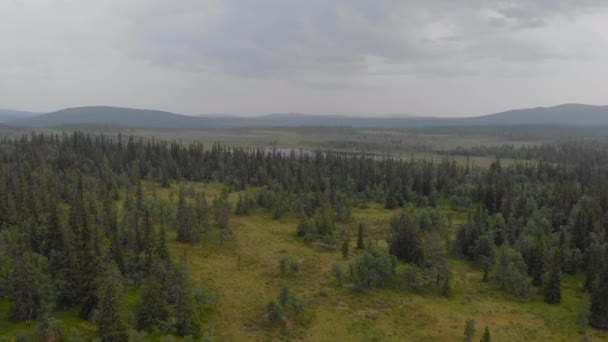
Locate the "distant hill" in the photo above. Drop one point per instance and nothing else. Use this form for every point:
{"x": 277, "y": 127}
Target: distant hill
{"x": 563, "y": 115}
{"x": 7, "y": 115}
{"x": 115, "y": 116}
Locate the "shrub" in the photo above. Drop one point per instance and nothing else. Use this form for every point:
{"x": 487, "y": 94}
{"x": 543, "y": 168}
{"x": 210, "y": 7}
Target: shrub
{"x": 274, "y": 311}
{"x": 375, "y": 268}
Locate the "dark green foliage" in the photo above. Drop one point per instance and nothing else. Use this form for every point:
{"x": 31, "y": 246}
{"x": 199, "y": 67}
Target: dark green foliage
{"x": 152, "y": 307}
{"x": 553, "y": 284}
{"x": 511, "y": 273}
{"x": 190, "y": 221}
{"x": 446, "y": 288}
{"x": 222, "y": 210}
{"x": 28, "y": 287}
{"x": 242, "y": 206}
{"x": 405, "y": 240}
{"x": 186, "y": 311}
{"x": 472, "y": 239}
{"x": 375, "y": 268}
{"x": 599, "y": 301}
{"x": 412, "y": 277}
{"x": 360, "y": 236}
{"x": 111, "y": 325}
{"x": 345, "y": 249}
{"x": 274, "y": 311}
{"x": 48, "y": 329}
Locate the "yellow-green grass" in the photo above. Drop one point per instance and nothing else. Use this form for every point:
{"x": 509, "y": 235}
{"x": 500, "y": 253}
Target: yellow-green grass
{"x": 245, "y": 275}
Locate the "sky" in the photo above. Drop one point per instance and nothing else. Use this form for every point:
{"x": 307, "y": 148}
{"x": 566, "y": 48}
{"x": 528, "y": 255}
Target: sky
{"x": 348, "y": 57}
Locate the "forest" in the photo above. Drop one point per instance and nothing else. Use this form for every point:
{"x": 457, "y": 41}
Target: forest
{"x": 120, "y": 238}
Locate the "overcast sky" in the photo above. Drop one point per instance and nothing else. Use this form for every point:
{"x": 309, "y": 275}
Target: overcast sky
{"x": 356, "y": 57}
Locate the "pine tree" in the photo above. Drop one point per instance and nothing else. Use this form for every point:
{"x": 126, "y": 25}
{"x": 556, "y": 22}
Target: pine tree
{"x": 405, "y": 240}
{"x": 345, "y": 248}
{"x": 111, "y": 326}
{"x": 553, "y": 286}
{"x": 360, "y": 235}
{"x": 152, "y": 305}
{"x": 599, "y": 302}
{"x": 27, "y": 288}
{"x": 187, "y": 318}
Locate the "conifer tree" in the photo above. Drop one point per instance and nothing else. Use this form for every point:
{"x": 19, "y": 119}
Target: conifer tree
{"x": 27, "y": 288}
{"x": 187, "y": 318}
{"x": 360, "y": 235}
{"x": 552, "y": 285}
{"x": 111, "y": 326}
{"x": 152, "y": 307}
{"x": 599, "y": 301}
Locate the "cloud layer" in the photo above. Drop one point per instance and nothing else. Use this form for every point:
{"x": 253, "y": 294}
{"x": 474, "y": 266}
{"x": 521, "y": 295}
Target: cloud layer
{"x": 355, "y": 57}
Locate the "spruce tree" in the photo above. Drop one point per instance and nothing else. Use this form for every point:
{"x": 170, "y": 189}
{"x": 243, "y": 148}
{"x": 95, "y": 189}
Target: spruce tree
{"x": 27, "y": 288}
{"x": 360, "y": 235}
{"x": 111, "y": 326}
{"x": 345, "y": 248}
{"x": 599, "y": 302}
{"x": 187, "y": 316}
{"x": 553, "y": 285}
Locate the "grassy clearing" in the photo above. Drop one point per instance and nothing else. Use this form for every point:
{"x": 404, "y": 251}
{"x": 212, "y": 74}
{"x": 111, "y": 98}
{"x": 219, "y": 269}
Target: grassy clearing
{"x": 244, "y": 273}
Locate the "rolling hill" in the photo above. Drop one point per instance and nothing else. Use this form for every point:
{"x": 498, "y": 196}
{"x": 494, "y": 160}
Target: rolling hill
{"x": 7, "y": 115}
{"x": 565, "y": 115}
{"x": 115, "y": 116}
{"x": 562, "y": 115}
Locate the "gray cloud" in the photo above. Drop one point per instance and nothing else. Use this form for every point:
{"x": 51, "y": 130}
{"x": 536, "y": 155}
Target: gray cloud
{"x": 293, "y": 55}
{"x": 275, "y": 38}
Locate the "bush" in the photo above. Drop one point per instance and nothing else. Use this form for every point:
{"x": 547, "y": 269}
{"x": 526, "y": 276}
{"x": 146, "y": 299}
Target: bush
{"x": 287, "y": 263}
{"x": 298, "y": 304}
{"x": 284, "y": 295}
{"x": 375, "y": 268}
{"x": 283, "y": 261}
{"x": 274, "y": 311}
{"x": 511, "y": 273}
{"x": 412, "y": 277}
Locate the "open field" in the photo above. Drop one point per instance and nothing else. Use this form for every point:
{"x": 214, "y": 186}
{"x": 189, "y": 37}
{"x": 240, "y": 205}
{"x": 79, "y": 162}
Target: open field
{"x": 243, "y": 274}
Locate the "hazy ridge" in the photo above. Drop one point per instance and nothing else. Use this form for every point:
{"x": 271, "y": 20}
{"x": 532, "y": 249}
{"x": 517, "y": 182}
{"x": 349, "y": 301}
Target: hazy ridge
{"x": 562, "y": 115}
